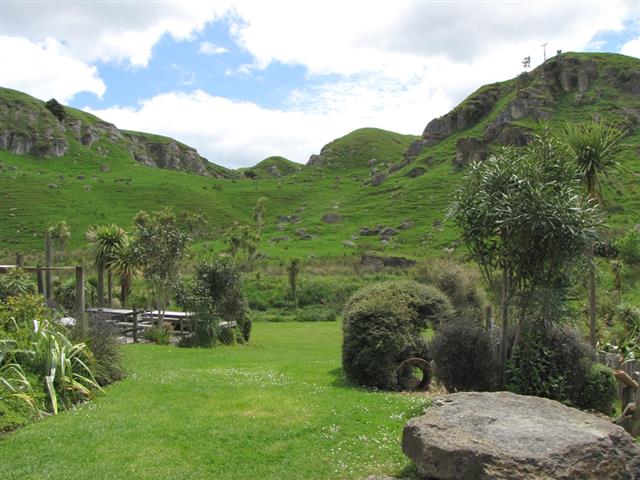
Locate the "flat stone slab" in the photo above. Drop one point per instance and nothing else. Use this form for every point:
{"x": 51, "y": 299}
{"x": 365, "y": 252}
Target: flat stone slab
{"x": 501, "y": 435}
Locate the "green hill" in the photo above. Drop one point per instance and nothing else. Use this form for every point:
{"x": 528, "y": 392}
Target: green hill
{"x": 271, "y": 167}
{"x": 86, "y": 171}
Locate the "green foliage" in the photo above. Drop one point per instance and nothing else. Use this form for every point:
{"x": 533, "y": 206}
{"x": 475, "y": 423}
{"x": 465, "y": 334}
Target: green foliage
{"x": 214, "y": 296}
{"x": 521, "y": 211}
{"x": 15, "y": 282}
{"x": 17, "y": 315}
{"x": 595, "y": 147}
{"x": 552, "y": 362}
{"x": 159, "y": 247}
{"x": 102, "y": 339}
{"x": 459, "y": 282}
{"x": 383, "y": 325}
{"x": 159, "y": 334}
{"x": 55, "y": 108}
{"x": 600, "y": 390}
{"x": 60, "y": 234}
{"x": 629, "y": 247}
{"x": 65, "y": 294}
{"x": 65, "y": 369}
{"x": 293, "y": 271}
{"x": 464, "y": 356}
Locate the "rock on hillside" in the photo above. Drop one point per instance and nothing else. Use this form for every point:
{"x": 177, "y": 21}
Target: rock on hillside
{"x": 504, "y": 111}
{"x": 501, "y": 435}
{"x": 28, "y": 128}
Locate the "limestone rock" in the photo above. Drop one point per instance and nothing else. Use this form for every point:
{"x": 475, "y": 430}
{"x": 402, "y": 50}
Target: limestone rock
{"x": 387, "y": 232}
{"x": 416, "y": 172}
{"x": 303, "y": 234}
{"x": 378, "y": 179}
{"x": 331, "y": 218}
{"x": 370, "y": 231}
{"x": 469, "y": 150}
{"x": 482, "y": 435}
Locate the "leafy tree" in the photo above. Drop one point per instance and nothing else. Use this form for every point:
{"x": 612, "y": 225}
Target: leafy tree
{"x": 160, "y": 245}
{"x": 233, "y": 239}
{"x": 104, "y": 240}
{"x": 60, "y": 234}
{"x": 520, "y": 213}
{"x": 595, "y": 147}
{"x": 216, "y": 299}
{"x": 125, "y": 262}
{"x": 258, "y": 214}
{"x": 55, "y": 108}
{"x": 293, "y": 271}
{"x": 195, "y": 223}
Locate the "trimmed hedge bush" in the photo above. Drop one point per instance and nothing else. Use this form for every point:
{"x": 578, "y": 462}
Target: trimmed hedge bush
{"x": 459, "y": 282}
{"x": 464, "y": 357}
{"x": 383, "y": 325}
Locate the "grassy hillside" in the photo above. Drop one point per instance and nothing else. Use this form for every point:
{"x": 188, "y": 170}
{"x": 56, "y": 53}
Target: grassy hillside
{"x": 364, "y": 178}
{"x": 270, "y": 167}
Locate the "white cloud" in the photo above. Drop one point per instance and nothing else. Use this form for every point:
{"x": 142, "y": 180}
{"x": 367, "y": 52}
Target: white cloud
{"x": 227, "y": 132}
{"x": 209, "y": 48}
{"x": 45, "y": 69}
{"x": 632, "y": 48}
{"x": 109, "y": 31}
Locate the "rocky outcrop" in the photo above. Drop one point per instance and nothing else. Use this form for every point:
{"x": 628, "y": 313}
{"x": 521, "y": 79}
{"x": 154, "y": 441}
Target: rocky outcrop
{"x": 27, "y": 127}
{"x": 30, "y": 129}
{"x": 469, "y": 150}
{"x": 481, "y": 435}
{"x": 465, "y": 115}
{"x": 331, "y": 218}
{"x": 171, "y": 155}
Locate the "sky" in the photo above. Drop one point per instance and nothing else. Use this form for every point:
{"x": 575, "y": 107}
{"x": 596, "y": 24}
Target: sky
{"x": 244, "y": 80}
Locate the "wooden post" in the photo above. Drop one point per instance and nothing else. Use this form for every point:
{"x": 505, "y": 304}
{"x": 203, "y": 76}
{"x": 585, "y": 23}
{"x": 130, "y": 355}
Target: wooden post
{"x": 48, "y": 251}
{"x": 182, "y": 328}
{"x": 80, "y": 296}
{"x": 19, "y": 260}
{"x": 135, "y": 326}
{"x": 40, "y": 279}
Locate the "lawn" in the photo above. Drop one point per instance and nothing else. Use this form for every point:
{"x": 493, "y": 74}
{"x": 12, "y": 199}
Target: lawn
{"x": 277, "y": 408}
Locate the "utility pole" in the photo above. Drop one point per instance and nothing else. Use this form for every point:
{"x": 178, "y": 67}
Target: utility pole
{"x": 544, "y": 51}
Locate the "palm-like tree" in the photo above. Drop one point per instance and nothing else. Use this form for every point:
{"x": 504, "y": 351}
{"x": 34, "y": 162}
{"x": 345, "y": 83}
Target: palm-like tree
{"x": 125, "y": 262}
{"x": 61, "y": 234}
{"x": 103, "y": 242}
{"x": 596, "y": 147}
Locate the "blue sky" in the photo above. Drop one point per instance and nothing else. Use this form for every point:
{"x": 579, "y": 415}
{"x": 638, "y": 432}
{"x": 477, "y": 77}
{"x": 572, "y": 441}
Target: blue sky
{"x": 243, "y": 80}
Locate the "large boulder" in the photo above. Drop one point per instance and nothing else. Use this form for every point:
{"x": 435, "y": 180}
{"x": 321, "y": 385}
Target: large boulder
{"x": 501, "y": 435}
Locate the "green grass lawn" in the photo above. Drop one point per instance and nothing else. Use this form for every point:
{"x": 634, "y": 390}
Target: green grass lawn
{"x": 278, "y": 408}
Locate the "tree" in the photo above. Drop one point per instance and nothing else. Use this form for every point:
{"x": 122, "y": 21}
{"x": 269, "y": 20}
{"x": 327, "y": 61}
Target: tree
{"x": 258, "y": 214}
{"x": 595, "y": 147}
{"x": 293, "y": 271}
{"x": 233, "y": 239}
{"x": 104, "y": 240}
{"x": 160, "y": 245}
{"x": 215, "y": 295}
{"x": 55, "y": 108}
{"x": 60, "y": 234}
{"x": 521, "y": 213}
{"x": 125, "y": 262}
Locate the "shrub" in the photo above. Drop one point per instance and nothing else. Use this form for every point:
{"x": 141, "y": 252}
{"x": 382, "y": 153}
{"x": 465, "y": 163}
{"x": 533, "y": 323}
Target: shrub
{"x": 459, "y": 282}
{"x": 160, "y": 335}
{"x": 102, "y": 340}
{"x": 629, "y": 247}
{"x": 65, "y": 294}
{"x": 317, "y": 314}
{"x": 215, "y": 295}
{"x": 14, "y": 283}
{"x": 464, "y": 356}
{"x": 383, "y": 325}
{"x": 551, "y": 362}
{"x": 17, "y": 315}
{"x": 55, "y": 108}
{"x": 599, "y": 391}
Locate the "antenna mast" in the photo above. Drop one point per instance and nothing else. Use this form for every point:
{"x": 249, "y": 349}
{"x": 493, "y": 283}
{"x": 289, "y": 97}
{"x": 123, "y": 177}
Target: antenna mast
{"x": 544, "y": 51}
